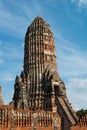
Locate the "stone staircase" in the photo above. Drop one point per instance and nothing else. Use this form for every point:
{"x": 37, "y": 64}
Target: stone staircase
{"x": 66, "y": 109}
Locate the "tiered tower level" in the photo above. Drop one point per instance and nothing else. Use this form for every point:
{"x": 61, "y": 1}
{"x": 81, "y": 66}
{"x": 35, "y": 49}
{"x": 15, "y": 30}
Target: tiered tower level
{"x": 39, "y": 93}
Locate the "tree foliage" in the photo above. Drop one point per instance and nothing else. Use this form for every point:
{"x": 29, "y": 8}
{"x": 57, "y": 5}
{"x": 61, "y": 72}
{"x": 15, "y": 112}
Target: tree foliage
{"x": 80, "y": 113}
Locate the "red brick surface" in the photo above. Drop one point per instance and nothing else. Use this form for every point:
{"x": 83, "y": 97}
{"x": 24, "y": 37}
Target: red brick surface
{"x": 78, "y": 128}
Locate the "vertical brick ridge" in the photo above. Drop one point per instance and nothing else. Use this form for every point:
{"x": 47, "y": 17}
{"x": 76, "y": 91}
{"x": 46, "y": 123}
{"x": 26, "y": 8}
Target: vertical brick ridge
{"x": 1, "y": 98}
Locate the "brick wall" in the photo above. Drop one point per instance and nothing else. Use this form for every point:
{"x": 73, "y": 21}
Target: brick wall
{"x": 82, "y": 124}
{"x": 25, "y": 119}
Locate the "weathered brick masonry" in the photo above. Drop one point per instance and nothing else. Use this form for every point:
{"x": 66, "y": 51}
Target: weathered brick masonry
{"x": 81, "y": 125}
{"x": 39, "y": 101}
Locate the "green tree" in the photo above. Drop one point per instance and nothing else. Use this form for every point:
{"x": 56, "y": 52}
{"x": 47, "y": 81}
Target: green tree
{"x": 80, "y": 113}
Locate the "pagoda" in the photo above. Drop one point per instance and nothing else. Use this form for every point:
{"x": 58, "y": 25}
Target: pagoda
{"x": 39, "y": 92}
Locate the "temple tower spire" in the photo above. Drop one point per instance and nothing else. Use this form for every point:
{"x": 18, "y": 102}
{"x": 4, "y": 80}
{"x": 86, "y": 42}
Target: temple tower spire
{"x": 39, "y": 87}
{"x": 39, "y": 55}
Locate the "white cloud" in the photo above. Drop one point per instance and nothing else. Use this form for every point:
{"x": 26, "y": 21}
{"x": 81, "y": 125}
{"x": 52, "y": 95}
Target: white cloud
{"x": 78, "y": 83}
{"x": 14, "y": 51}
{"x": 80, "y": 3}
{"x": 71, "y": 13}
{"x": 72, "y": 61}
{"x": 7, "y": 77}
{"x": 17, "y": 22}
{"x": 11, "y": 23}
{"x": 72, "y": 67}
{"x": 77, "y": 92}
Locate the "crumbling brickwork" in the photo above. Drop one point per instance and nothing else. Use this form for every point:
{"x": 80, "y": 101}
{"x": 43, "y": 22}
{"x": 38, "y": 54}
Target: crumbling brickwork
{"x": 81, "y": 125}
{"x": 39, "y": 89}
{"x": 26, "y": 119}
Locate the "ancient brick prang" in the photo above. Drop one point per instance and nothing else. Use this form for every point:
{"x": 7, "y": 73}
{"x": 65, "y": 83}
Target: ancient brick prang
{"x": 39, "y": 54}
{"x": 39, "y": 89}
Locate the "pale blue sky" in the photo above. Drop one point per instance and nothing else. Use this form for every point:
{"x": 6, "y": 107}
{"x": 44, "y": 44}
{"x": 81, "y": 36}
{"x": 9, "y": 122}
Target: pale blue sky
{"x": 68, "y": 20}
